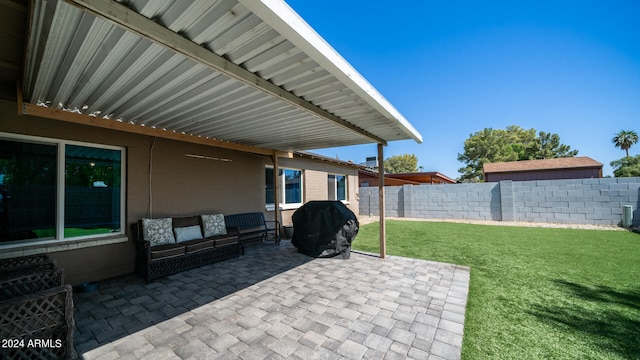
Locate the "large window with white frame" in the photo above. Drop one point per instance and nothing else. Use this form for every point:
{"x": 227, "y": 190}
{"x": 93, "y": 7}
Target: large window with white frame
{"x": 337, "y": 186}
{"x": 58, "y": 190}
{"x": 290, "y": 186}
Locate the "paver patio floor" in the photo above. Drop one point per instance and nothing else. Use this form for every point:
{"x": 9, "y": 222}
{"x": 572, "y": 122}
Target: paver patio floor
{"x": 274, "y": 303}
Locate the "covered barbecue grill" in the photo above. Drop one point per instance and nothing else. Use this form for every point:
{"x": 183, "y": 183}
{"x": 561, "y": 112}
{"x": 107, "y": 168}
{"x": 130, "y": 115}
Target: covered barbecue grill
{"x": 324, "y": 229}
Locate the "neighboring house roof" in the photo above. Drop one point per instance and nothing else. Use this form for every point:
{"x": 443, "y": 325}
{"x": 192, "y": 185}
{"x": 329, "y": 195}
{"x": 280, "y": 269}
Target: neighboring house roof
{"x": 406, "y": 178}
{"x": 240, "y": 71}
{"x": 424, "y": 177}
{"x": 544, "y": 164}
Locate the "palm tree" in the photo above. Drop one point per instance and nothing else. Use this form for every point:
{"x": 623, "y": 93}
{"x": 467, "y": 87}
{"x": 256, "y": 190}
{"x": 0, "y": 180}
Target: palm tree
{"x": 624, "y": 139}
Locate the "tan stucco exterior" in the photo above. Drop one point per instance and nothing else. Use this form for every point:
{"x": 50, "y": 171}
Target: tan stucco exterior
{"x": 315, "y": 182}
{"x": 162, "y": 182}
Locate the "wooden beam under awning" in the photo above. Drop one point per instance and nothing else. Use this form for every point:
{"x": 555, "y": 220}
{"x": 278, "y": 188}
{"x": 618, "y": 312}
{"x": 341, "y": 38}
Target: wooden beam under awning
{"x": 71, "y": 117}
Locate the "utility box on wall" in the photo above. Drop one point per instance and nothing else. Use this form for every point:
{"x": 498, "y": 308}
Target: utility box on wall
{"x": 627, "y": 215}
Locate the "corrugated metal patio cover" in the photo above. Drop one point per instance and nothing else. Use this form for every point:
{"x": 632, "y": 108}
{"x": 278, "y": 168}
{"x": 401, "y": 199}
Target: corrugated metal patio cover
{"x": 251, "y": 72}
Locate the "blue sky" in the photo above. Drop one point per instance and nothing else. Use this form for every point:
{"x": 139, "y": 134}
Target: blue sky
{"x": 456, "y": 67}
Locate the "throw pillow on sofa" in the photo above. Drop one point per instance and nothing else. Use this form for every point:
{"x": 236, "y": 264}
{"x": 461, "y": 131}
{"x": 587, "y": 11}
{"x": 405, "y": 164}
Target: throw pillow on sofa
{"x": 158, "y": 231}
{"x": 188, "y": 233}
{"x": 213, "y": 225}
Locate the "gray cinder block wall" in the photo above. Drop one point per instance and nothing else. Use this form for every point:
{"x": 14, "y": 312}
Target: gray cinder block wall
{"x": 576, "y": 201}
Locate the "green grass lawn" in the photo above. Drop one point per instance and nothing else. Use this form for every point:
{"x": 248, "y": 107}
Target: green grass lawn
{"x": 72, "y": 232}
{"x": 535, "y": 293}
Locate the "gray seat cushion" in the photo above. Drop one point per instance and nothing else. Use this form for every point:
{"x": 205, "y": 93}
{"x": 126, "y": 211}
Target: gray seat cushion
{"x": 166, "y": 251}
{"x": 197, "y": 245}
{"x": 222, "y": 241}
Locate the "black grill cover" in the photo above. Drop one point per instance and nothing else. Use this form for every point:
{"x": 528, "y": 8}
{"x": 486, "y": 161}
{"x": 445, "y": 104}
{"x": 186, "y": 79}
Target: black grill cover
{"x": 324, "y": 229}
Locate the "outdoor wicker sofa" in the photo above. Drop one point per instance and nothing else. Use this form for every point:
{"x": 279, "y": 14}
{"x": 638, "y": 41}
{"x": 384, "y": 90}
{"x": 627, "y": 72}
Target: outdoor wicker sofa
{"x": 170, "y": 245}
{"x": 18, "y": 265}
{"x": 36, "y": 309}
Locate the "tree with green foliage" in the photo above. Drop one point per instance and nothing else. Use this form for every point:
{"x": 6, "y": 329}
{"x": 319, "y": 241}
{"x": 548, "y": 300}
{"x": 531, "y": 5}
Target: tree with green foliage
{"x": 399, "y": 164}
{"x": 548, "y": 146}
{"x": 511, "y": 144}
{"x": 628, "y": 166}
{"x": 625, "y": 139}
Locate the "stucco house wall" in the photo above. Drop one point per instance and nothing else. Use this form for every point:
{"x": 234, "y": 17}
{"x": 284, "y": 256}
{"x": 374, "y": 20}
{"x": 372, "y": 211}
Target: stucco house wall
{"x": 551, "y": 174}
{"x": 315, "y": 182}
{"x": 161, "y": 181}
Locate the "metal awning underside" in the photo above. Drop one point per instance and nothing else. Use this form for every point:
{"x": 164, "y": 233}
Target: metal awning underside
{"x": 250, "y": 72}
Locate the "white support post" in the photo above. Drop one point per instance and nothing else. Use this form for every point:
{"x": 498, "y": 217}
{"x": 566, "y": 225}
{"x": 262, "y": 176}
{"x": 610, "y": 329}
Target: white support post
{"x": 383, "y": 234}
{"x": 276, "y": 187}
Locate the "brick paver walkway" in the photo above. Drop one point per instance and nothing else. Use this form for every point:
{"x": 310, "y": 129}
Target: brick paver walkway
{"x": 274, "y": 303}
